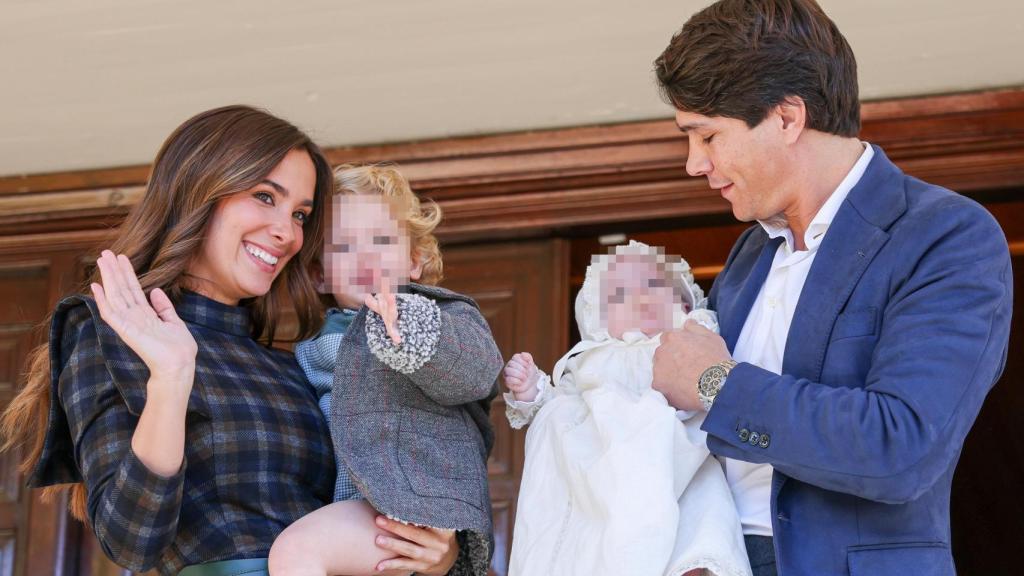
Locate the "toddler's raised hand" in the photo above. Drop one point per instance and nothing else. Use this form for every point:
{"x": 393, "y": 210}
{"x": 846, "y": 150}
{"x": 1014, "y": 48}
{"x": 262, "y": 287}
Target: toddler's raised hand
{"x": 383, "y": 303}
{"x": 521, "y": 376}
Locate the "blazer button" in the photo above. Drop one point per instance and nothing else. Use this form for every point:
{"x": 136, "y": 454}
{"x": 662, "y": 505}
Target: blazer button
{"x": 754, "y": 438}
{"x": 765, "y": 441}
{"x": 744, "y": 434}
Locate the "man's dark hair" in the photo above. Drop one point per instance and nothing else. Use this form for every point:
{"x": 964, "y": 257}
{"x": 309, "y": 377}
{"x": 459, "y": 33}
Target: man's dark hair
{"x": 740, "y": 58}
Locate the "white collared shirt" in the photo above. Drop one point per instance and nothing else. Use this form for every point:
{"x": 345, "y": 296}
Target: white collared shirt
{"x": 762, "y": 341}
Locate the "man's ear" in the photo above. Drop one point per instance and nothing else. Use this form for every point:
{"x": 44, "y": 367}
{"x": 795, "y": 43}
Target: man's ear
{"x": 793, "y": 117}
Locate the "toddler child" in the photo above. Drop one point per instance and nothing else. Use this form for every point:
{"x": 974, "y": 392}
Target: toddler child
{"x": 406, "y": 371}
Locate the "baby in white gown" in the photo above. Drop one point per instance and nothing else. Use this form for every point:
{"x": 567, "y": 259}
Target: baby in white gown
{"x": 615, "y": 481}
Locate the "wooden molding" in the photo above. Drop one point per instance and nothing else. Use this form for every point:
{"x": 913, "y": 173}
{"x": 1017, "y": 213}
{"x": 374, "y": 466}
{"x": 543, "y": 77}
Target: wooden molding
{"x": 527, "y": 184}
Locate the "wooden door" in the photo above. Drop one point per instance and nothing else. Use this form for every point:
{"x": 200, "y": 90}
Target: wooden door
{"x": 36, "y": 537}
{"x": 522, "y": 290}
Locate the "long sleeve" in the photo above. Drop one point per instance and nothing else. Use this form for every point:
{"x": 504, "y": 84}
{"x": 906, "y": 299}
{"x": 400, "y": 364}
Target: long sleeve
{"x": 447, "y": 351}
{"x": 133, "y": 511}
{"x": 941, "y": 345}
{"x": 519, "y": 412}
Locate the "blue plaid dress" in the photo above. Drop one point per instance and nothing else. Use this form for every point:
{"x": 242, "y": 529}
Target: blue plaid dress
{"x": 257, "y": 451}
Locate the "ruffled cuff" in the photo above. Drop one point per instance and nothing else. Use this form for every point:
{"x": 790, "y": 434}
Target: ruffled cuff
{"x": 419, "y": 324}
{"x": 520, "y": 413}
{"x": 704, "y": 317}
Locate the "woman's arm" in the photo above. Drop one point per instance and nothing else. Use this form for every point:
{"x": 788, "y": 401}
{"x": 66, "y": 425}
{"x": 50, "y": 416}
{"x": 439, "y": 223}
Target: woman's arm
{"x": 132, "y": 510}
{"x": 168, "y": 349}
{"x": 132, "y": 466}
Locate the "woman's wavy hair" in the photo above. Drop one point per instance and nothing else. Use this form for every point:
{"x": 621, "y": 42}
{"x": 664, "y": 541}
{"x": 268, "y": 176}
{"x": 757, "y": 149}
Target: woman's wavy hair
{"x": 387, "y": 180}
{"x": 213, "y": 155}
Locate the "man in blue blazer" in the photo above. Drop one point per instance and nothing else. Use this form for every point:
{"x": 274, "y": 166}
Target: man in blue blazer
{"x": 864, "y": 317}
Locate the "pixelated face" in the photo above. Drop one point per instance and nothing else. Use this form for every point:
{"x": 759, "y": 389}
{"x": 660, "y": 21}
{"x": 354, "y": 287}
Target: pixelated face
{"x": 365, "y": 248}
{"x": 636, "y": 294}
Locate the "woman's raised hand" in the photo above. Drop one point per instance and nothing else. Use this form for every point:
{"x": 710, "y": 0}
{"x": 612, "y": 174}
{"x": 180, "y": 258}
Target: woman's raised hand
{"x": 151, "y": 327}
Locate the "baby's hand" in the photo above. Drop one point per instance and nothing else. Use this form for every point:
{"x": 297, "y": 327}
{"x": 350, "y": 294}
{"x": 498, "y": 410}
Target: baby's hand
{"x": 521, "y": 376}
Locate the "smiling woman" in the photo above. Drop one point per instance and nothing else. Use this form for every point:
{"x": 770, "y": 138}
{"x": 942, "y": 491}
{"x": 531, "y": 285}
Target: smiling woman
{"x": 185, "y": 438}
{"x": 253, "y": 235}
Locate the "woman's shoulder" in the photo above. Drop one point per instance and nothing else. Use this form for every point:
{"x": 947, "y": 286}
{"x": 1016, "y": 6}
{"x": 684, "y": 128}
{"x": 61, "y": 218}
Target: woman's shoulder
{"x": 79, "y": 373}
{"x": 82, "y": 342}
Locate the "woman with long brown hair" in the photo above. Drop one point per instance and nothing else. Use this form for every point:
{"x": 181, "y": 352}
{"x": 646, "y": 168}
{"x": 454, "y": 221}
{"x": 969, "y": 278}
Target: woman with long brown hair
{"x": 185, "y": 439}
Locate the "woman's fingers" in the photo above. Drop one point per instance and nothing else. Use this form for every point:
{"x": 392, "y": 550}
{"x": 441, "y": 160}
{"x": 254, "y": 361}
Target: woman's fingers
{"x": 111, "y": 283}
{"x": 163, "y": 307}
{"x": 425, "y": 550}
{"x": 134, "y": 289}
{"x": 401, "y": 547}
{"x": 414, "y": 534}
{"x": 101, "y": 301}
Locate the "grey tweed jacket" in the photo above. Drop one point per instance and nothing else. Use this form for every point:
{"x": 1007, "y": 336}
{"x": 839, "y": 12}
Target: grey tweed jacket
{"x": 415, "y": 432}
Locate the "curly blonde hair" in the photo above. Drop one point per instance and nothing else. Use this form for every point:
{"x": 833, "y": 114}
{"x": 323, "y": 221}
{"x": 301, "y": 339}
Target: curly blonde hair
{"x": 387, "y": 180}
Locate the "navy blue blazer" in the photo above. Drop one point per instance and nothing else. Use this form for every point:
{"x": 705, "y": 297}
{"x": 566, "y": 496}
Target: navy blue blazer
{"x": 900, "y": 331}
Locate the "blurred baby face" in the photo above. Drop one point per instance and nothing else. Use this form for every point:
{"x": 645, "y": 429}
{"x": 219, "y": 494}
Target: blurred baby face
{"x": 637, "y": 296}
{"x": 366, "y": 249}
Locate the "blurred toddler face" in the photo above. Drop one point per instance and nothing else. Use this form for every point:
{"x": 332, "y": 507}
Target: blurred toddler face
{"x": 366, "y": 247}
{"x": 636, "y": 295}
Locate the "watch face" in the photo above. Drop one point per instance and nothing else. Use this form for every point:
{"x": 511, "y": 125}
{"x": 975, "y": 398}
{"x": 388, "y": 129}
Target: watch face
{"x": 711, "y": 381}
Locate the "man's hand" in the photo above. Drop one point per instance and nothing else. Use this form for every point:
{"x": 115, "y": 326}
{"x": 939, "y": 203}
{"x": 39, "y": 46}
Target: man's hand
{"x": 680, "y": 360}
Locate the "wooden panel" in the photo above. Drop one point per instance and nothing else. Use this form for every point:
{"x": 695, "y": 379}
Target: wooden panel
{"x": 522, "y": 292}
{"x": 534, "y": 184}
{"x": 34, "y": 272}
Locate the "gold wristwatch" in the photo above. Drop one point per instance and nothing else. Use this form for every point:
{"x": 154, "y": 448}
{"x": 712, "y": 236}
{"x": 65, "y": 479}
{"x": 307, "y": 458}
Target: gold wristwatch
{"x": 711, "y": 381}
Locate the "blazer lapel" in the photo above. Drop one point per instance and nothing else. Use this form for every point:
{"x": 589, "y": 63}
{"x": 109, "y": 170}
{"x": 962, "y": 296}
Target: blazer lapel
{"x": 737, "y": 295}
{"x": 853, "y": 239}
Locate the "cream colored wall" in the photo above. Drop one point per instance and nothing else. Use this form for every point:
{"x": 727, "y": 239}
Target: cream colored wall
{"x": 101, "y": 83}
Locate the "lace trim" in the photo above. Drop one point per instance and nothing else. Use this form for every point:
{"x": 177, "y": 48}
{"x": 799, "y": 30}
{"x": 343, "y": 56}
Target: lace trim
{"x": 521, "y": 413}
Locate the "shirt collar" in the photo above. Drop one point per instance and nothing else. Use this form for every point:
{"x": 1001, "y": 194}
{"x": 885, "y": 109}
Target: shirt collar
{"x": 778, "y": 226}
{"x": 198, "y": 309}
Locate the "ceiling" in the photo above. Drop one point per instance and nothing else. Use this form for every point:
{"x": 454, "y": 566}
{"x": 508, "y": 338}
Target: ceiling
{"x": 101, "y": 83}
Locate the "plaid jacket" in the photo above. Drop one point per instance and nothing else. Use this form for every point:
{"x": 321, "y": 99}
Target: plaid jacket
{"x": 257, "y": 450}
{"x": 416, "y": 443}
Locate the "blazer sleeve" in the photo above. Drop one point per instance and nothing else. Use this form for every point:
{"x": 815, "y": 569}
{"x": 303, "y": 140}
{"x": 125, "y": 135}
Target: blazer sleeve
{"x": 942, "y": 345}
{"x": 133, "y": 511}
{"x": 447, "y": 351}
